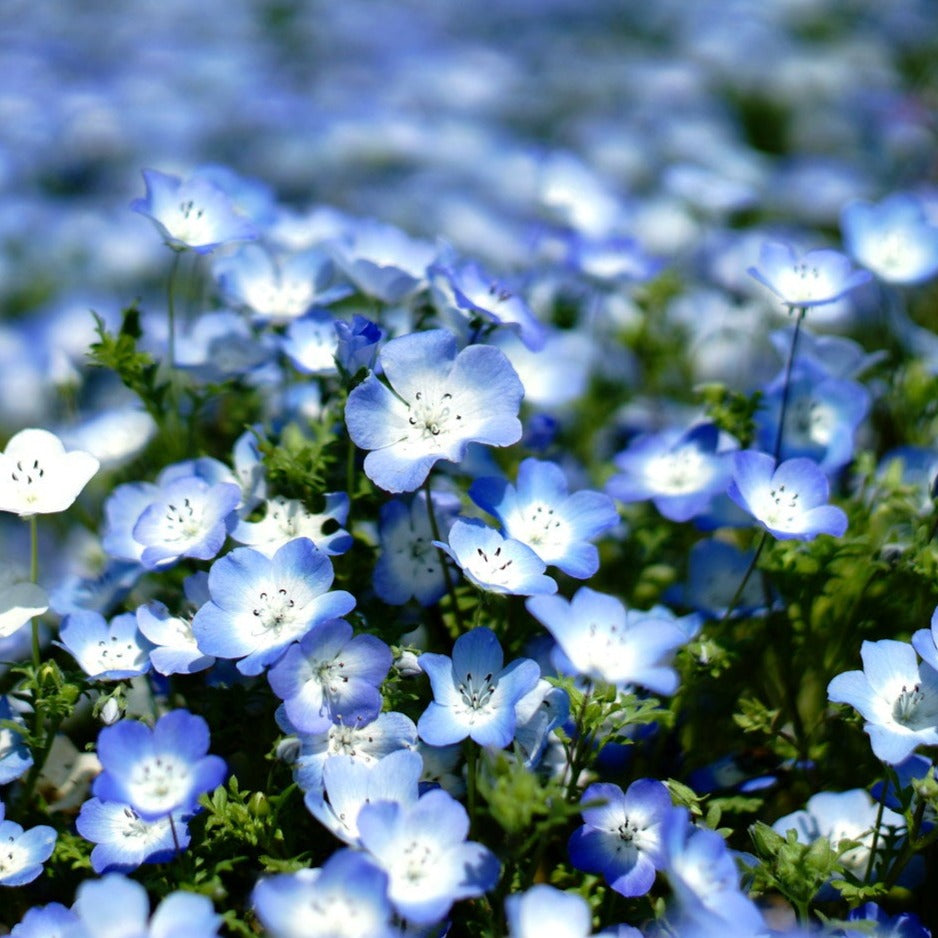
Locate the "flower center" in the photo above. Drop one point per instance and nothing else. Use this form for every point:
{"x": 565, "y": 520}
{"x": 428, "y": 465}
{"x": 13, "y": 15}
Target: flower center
{"x": 161, "y": 781}
{"x": 476, "y": 694}
{"x": 432, "y": 415}
{"x": 183, "y": 521}
{"x": 274, "y": 611}
{"x": 28, "y": 475}
{"x": 781, "y": 509}
{"x": 11, "y": 856}
{"x": 678, "y": 472}
{"x": 542, "y": 526}
{"x": 905, "y": 709}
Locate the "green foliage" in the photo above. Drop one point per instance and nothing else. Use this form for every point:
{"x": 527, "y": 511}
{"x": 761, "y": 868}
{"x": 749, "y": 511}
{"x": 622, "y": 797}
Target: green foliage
{"x": 732, "y": 411}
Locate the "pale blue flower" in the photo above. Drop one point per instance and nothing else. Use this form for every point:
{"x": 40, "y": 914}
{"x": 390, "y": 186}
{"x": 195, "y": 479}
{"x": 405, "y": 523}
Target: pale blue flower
{"x": 473, "y": 695}
{"x": 106, "y": 651}
{"x": 436, "y": 402}
{"x": 22, "y": 852}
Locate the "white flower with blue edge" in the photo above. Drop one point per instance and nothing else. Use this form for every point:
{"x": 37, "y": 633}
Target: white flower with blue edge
{"x": 22, "y": 852}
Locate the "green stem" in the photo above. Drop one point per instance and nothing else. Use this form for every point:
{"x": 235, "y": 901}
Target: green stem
{"x": 777, "y": 449}
{"x": 171, "y": 309}
{"x": 876, "y": 826}
{"x": 582, "y": 741}
{"x": 34, "y": 578}
{"x": 742, "y": 583}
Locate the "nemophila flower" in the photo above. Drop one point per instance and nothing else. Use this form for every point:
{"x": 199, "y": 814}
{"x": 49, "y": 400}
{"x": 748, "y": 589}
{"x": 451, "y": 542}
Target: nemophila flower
{"x": 105, "y": 651}
{"x": 421, "y": 846}
{"x": 812, "y": 279}
{"x": 822, "y": 415}
{"x": 473, "y": 695}
{"x": 15, "y": 755}
{"x": 545, "y": 910}
{"x": 123, "y": 840}
{"x": 680, "y": 471}
{"x": 220, "y": 346}
{"x": 278, "y": 288}
{"x": 895, "y": 238}
{"x": 310, "y": 343}
{"x": 260, "y": 605}
{"x": 714, "y": 570}
{"x": 925, "y": 642}
{"x": 495, "y": 563}
{"x": 22, "y": 853}
{"x": 897, "y": 696}
{"x": 623, "y": 838}
{"x": 347, "y": 898}
{"x": 366, "y": 743}
{"x": 539, "y": 511}
{"x": 38, "y": 476}
{"x": 841, "y": 816}
{"x": 357, "y": 345}
{"x": 470, "y": 290}
{"x": 331, "y": 676}
{"x": 117, "y": 907}
{"x": 157, "y": 771}
{"x": 611, "y": 258}
{"x": 537, "y": 714}
{"x": 789, "y": 501}
{"x": 20, "y": 599}
{"x": 47, "y": 921}
{"x": 704, "y": 879}
{"x": 871, "y": 919}
{"x": 288, "y": 518}
{"x": 187, "y": 518}
{"x": 381, "y": 260}
{"x": 174, "y": 649}
{"x": 192, "y": 214}
{"x": 349, "y": 784}
{"x": 597, "y": 638}
{"x": 409, "y": 564}
{"x": 436, "y": 402}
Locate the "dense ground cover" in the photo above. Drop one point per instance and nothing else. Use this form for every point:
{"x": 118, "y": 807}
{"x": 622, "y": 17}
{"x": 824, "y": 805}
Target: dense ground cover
{"x": 468, "y": 472}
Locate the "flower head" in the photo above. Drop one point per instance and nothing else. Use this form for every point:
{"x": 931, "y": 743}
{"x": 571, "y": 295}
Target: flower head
{"x": 192, "y": 214}
{"x": 37, "y": 475}
{"x": 473, "y": 695}
{"x": 22, "y": 853}
{"x": 437, "y": 403}
{"x": 157, "y": 771}
{"x": 816, "y": 278}
{"x": 789, "y": 501}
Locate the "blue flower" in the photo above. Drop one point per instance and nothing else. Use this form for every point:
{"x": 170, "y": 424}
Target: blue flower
{"x": 409, "y": 564}
{"x": 123, "y": 840}
{"x": 680, "y": 471}
{"x": 623, "y": 838}
{"x": 903, "y": 925}
{"x": 106, "y": 651}
{"x": 15, "y": 757}
{"x": 288, "y": 518}
{"x": 192, "y": 214}
{"x": 473, "y": 695}
{"x": 597, "y": 638}
{"x": 261, "y": 604}
{"x": 816, "y": 278}
{"x": 115, "y": 905}
{"x": 897, "y": 696}
{"x": 894, "y": 238}
{"x": 545, "y": 910}
{"x": 348, "y": 897}
{"x": 22, "y": 853}
{"x": 278, "y": 288}
{"x": 421, "y": 846}
{"x": 187, "y": 518}
{"x": 437, "y": 403}
{"x": 330, "y": 677}
{"x": 175, "y": 650}
{"x": 789, "y": 501}
{"x": 46, "y": 921}
{"x": 541, "y": 513}
{"x": 478, "y": 296}
{"x": 358, "y": 343}
{"x": 158, "y": 771}
{"x": 494, "y": 563}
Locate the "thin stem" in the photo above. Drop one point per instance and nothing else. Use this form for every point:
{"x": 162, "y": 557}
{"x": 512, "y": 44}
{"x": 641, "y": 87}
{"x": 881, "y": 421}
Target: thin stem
{"x": 34, "y": 578}
{"x": 172, "y": 827}
{"x": 746, "y": 576}
{"x": 444, "y": 559}
{"x": 171, "y": 309}
{"x": 582, "y": 741}
{"x": 779, "y": 433}
{"x": 876, "y": 826}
